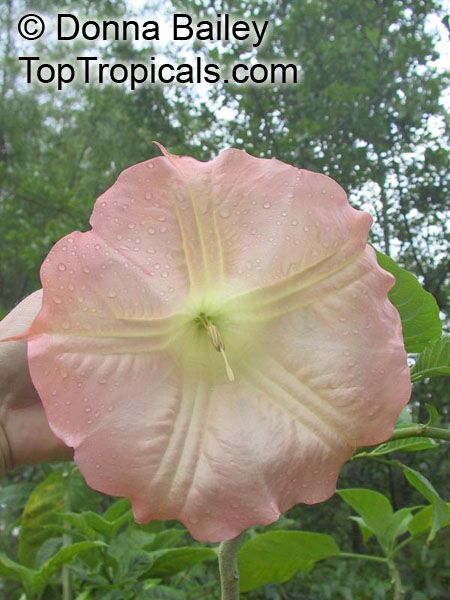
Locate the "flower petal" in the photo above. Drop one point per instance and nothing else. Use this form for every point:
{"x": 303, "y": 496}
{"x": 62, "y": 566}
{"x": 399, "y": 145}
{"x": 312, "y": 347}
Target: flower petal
{"x": 277, "y": 260}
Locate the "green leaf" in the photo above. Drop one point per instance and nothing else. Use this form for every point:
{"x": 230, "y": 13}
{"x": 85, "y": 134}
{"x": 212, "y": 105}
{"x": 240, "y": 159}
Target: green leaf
{"x": 418, "y": 308}
{"x": 374, "y": 508}
{"x": 9, "y": 569}
{"x": 16, "y": 494}
{"x": 41, "y": 510}
{"x": 433, "y": 415}
{"x": 47, "y": 550}
{"x": 276, "y": 556}
{"x": 175, "y": 560}
{"x": 79, "y": 522}
{"x": 166, "y": 539}
{"x": 439, "y": 506}
{"x": 162, "y": 592}
{"x": 423, "y": 521}
{"x": 413, "y": 444}
{"x": 398, "y": 525}
{"x": 117, "y": 510}
{"x": 64, "y": 556}
{"x": 434, "y": 360}
{"x": 365, "y": 531}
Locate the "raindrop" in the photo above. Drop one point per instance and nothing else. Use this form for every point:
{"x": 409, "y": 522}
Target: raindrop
{"x": 294, "y": 222}
{"x": 131, "y": 225}
{"x": 61, "y": 267}
{"x": 225, "y": 212}
{"x": 266, "y": 205}
{"x": 86, "y": 270}
{"x": 57, "y": 300}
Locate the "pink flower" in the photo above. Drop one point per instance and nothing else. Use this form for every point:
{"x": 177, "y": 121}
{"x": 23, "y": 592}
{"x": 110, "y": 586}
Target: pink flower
{"x": 220, "y": 342}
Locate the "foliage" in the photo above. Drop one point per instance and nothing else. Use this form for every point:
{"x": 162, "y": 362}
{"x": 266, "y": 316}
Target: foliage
{"x": 368, "y": 112}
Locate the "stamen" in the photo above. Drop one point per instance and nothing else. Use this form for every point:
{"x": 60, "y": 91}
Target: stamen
{"x": 217, "y": 342}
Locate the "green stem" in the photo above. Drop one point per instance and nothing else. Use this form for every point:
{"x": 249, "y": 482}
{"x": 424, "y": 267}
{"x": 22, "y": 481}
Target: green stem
{"x": 421, "y": 430}
{"x": 67, "y": 540}
{"x": 397, "y": 588}
{"x": 362, "y": 557}
{"x": 402, "y": 545}
{"x": 228, "y": 568}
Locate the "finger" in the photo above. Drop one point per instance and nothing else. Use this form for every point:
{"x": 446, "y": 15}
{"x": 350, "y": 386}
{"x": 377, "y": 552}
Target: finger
{"x": 30, "y": 438}
{"x": 16, "y": 387}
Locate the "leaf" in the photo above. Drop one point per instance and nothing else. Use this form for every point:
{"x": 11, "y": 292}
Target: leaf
{"x": 127, "y": 546}
{"x": 276, "y": 556}
{"x": 398, "y": 525}
{"x": 64, "y": 556}
{"x": 418, "y": 308}
{"x": 433, "y": 415}
{"x": 365, "y": 531}
{"x": 175, "y": 560}
{"x": 374, "y": 508}
{"x": 41, "y": 510}
{"x": 433, "y": 361}
{"x": 117, "y": 510}
{"x": 167, "y": 539}
{"x": 162, "y": 592}
{"x": 413, "y": 444}
{"x": 15, "y": 494}
{"x": 80, "y": 523}
{"x": 12, "y": 570}
{"x": 424, "y": 487}
{"x": 423, "y": 521}
{"x": 47, "y": 550}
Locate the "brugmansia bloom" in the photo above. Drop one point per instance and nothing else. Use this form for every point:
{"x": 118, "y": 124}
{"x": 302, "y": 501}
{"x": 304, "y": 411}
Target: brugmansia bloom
{"x": 220, "y": 342}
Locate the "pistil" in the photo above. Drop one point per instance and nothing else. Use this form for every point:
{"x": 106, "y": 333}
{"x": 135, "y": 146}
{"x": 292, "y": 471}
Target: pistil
{"x": 217, "y": 342}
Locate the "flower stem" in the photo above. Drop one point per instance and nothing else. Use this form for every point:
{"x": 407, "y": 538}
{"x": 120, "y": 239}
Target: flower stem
{"x": 228, "y": 568}
{"x": 396, "y": 581}
{"x": 67, "y": 540}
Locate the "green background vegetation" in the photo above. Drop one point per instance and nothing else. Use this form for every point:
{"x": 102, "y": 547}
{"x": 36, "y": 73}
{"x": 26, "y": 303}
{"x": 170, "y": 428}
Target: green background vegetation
{"x": 369, "y": 111}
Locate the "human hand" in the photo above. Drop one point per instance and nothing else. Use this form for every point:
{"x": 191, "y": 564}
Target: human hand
{"x": 25, "y": 436}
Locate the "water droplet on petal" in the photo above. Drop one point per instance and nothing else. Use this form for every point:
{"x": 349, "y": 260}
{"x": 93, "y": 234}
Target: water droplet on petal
{"x": 57, "y": 300}
{"x": 266, "y": 205}
{"x": 61, "y": 267}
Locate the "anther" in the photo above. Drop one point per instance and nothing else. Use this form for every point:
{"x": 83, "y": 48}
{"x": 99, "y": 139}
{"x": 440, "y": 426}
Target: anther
{"x": 217, "y": 342}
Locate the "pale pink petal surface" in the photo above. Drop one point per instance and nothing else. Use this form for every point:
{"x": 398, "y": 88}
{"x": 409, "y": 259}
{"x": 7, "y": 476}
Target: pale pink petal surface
{"x": 277, "y": 260}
